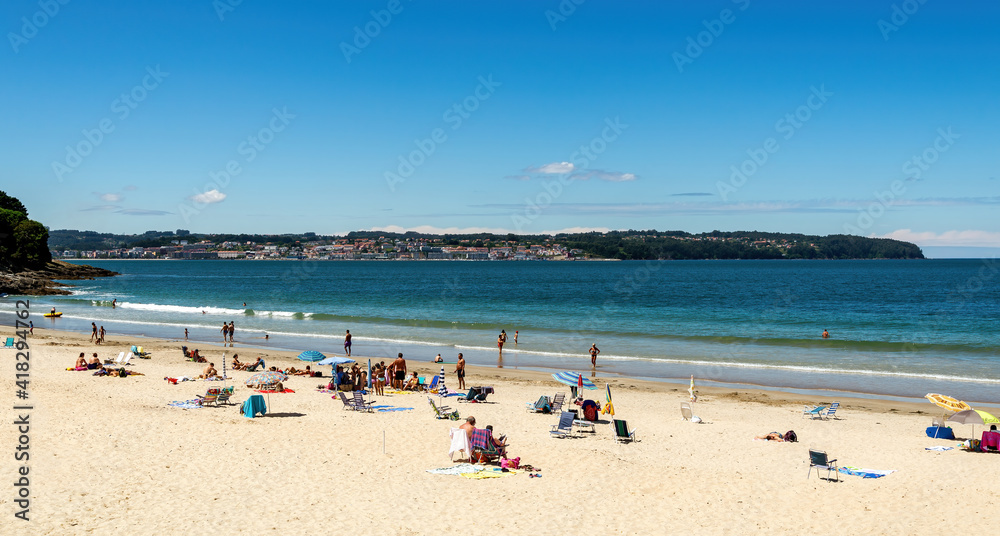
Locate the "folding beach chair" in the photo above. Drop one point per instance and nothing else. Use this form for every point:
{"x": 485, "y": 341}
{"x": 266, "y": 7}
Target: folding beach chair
{"x": 483, "y": 446}
{"x": 557, "y": 402}
{"x": 224, "y": 395}
{"x": 118, "y": 361}
{"x": 831, "y": 411}
{"x": 9, "y": 343}
{"x": 360, "y": 404}
{"x": 442, "y": 412}
{"x": 128, "y": 357}
{"x": 541, "y": 406}
{"x": 210, "y": 397}
{"x": 622, "y": 433}
{"x": 819, "y": 460}
{"x": 434, "y": 383}
{"x": 685, "y": 411}
{"x": 814, "y": 412}
{"x": 459, "y": 443}
{"x": 348, "y": 402}
{"x": 565, "y": 426}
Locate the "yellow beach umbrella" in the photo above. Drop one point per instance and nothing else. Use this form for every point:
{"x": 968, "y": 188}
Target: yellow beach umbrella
{"x": 947, "y": 402}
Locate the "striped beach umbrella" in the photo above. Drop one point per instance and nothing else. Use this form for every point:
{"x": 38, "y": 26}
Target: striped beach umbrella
{"x": 947, "y": 402}
{"x": 574, "y": 379}
{"x": 312, "y": 356}
{"x": 610, "y": 408}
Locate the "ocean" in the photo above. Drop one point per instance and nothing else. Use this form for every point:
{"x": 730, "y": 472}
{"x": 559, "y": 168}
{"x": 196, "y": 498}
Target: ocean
{"x": 897, "y": 328}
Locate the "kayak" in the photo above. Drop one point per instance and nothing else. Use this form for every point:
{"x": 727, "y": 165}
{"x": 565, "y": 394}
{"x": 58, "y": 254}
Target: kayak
{"x": 52, "y": 315}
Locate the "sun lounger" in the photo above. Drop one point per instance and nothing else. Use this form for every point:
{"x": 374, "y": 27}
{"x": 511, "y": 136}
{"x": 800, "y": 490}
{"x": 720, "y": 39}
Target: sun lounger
{"x": 118, "y": 361}
{"x": 442, "y": 412}
{"x": 542, "y": 405}
{"x": 128, "y": 357}
{"x": 557, "y": 402}
{"x": 831, "y": 411}
{"x": 224, "y": 395}
{"x": 685, "y": 411}
{"x": 813, "y": 412}
{"x": 210, "y": 397}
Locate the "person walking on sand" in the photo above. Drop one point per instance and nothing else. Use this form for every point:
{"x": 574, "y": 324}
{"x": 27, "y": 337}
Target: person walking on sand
{"x": 31, "y": 327}
{"x": 347, "y": 343}
{"x": 185, "y": 334}
{"x": 100, "y": 338}
{"x": 593, "y": 354}
{"x": 460, "y": 372}
{"x": 93, "y": 329}
{"x": 398, "y": 372}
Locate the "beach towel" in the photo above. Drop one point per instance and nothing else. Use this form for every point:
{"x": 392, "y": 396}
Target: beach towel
{"x": 384, "y": 408}
{"x": 459, "y": 443}
{"x": 865, "y": 473}
{"x": 457, "y": 469}
{"x": 495, "y": 472}
{"x": 185, "y": 404}
{"x": 939, "y": 448}
{"x": 274, "y": 392}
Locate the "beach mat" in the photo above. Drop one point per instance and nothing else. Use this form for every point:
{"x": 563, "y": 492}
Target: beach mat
{"x": 185, "y": 404}
{"x": 457, "y": 469}
{"x": 865, "y": 473}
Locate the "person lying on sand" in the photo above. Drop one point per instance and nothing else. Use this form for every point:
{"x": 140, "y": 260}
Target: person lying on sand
{"x": 773, "y": 436}
{"x": 307, "y": 372}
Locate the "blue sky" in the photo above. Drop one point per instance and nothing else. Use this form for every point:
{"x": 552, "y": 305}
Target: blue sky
{"x": 875, "y": 118}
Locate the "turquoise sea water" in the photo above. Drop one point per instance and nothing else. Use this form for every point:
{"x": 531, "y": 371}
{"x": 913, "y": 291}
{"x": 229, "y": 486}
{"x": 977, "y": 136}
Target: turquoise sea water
{"x": 901, "y": 328}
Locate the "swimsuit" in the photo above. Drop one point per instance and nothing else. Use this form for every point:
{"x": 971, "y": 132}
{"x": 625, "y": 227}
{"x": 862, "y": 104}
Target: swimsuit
{"x": 400, "y": 375}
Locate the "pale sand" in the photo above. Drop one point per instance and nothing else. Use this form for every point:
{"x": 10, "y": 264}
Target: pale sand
{"x": 108, "y": 456}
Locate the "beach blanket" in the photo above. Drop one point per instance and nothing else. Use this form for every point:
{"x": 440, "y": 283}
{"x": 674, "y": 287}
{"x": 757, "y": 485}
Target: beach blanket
{"x": 274, "y": 392}
{"x": 457, "y": 469}
{"x": 384, "y": 407}
{"x": 495, "y": 472}
{"x": 185, "y": 404}
{"x": 865, "y": 473}
{"x": 939, "y": 448}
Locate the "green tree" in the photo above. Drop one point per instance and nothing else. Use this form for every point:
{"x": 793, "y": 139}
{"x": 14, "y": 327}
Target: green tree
{"x": 32, "y": 243}
{"x": 12, "y": 203}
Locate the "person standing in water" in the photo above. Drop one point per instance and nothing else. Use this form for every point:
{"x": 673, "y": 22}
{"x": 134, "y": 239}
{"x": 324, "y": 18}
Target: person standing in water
{"x": 826, "y": 334}
{"x": 185, "y": 334}
{"x": 515, "y": 337}
{"x": 232, "y": 331}
{"x": 225, "y": 331}
{"x": 501, "y": 340}
{"x": 593, "y": 354}
{"x": 347, "y": 343}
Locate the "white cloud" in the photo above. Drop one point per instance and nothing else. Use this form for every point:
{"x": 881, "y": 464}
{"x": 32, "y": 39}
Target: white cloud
{"x": 110, "y": 198}
{"x": 610, "y": 176}
{"x": 429, "y": 229}
{"x": 209, "y": 197}
{"x": 968, "y": 237}
{"x": 553, "y": 168}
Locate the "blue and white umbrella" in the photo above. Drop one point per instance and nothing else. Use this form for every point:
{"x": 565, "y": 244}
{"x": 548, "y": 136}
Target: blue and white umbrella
{"x": 573, "y": 379}
{"x": 311, "y": 356}
{"x": 335, "y": 360}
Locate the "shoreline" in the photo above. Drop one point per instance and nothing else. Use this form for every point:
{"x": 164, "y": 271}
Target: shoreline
{"x": 108, "y": 453}
{"x": 776, "y": 395}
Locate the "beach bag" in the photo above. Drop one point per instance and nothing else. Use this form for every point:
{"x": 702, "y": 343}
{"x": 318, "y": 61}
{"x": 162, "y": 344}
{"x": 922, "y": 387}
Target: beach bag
{"x": 791, "y": 437}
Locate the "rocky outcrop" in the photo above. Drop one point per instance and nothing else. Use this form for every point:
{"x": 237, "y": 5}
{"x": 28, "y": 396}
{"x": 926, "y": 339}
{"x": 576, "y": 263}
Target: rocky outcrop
{"x": 41, "y": 281}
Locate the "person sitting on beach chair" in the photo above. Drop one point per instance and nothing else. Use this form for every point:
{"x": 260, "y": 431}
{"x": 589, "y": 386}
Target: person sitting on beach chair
{"x": 413, "y": 383}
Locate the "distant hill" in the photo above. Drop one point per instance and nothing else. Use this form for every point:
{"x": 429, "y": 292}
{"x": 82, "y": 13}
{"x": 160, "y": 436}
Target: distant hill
{"x": 624, "y": 245}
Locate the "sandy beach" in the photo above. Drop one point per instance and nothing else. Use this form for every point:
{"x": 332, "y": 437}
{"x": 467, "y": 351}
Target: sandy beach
{"x": 109, "y": 456}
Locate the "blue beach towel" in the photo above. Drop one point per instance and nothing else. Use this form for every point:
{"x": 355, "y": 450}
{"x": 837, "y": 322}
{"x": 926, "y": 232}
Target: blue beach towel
{"x": 254, "y": 405}
{"x": 865, "y": 473}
